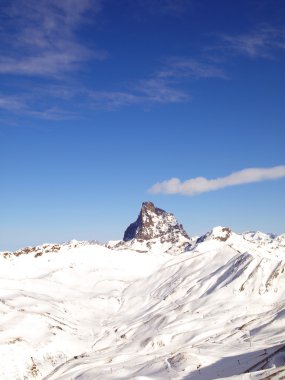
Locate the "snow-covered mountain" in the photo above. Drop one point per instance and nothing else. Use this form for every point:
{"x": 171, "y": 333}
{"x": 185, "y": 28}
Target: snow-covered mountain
{"x": 177, "y": 308}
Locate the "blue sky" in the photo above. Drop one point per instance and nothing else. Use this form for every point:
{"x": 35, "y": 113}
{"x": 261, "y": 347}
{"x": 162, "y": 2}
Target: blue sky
{"x": 100, "y": 101}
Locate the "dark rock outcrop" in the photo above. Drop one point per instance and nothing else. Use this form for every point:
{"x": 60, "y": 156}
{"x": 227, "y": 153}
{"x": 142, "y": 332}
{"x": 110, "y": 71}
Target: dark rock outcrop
{"x": 153, "y": 223}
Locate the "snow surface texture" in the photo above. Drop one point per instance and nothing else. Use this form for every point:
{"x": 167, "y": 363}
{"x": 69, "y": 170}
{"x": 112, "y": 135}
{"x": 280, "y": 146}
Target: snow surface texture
{"x": 85, "y": 311}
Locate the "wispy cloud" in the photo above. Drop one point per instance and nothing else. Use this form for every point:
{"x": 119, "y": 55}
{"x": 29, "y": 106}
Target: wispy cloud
{"x": 11, "y": 103}
{"x": 23, "y": 105}
{"x": 166, "y": 85}
{"x": 199, "y": 185}
{"x": 183, "y": 67}
{"x": 145, "y": 92}
{"x": 158, "y": 90}
{"x": 262, "y": 42}
{"x": 41, "y": 38}
{"x": 163, "y": 87}
{"x": 51, "y": 113}
{"x": 38, "y": 37}
{"x": 111, "y": 100}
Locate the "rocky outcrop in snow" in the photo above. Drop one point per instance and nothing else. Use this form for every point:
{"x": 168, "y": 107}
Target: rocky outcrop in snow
{"x": 217, "y": 233}
{"x": 154, "y": 229}
{"x": 154, "y": 222}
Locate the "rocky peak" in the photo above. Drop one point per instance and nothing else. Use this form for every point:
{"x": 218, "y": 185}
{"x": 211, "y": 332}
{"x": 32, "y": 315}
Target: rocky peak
{"x": 148, "y": 206}
{"x": 153, "y": 223}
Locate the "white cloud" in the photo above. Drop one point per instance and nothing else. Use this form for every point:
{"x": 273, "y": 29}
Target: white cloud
{"x": 199, "y": 185}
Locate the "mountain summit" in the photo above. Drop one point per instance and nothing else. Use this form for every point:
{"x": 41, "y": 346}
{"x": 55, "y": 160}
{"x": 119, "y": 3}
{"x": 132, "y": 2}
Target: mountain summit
{"x": 153, "y": 229}
{"x": 154, "y": 222}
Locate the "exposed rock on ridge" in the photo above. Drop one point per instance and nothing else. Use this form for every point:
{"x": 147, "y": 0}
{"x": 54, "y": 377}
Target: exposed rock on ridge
{"x": 48, "y": 248}
{"x": 218, "y": 233}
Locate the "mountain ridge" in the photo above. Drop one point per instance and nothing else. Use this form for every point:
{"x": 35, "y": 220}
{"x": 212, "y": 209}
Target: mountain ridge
{"x": 156, "y": 230}
{"x": 82, "y": 310}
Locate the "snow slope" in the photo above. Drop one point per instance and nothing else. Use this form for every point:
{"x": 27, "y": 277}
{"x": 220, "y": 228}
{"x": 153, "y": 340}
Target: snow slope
{"x": 85, "y": 311}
